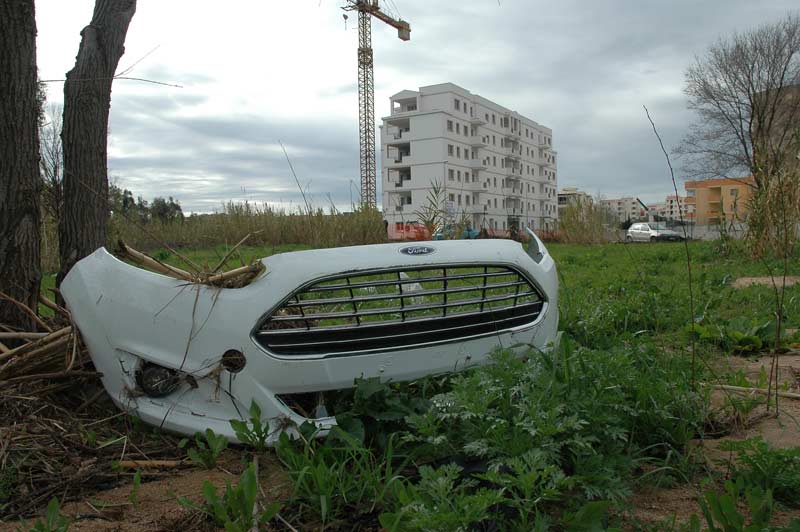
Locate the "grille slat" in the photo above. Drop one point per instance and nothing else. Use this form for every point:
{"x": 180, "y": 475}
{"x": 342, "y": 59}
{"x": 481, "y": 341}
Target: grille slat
{"x": 375, "y": 342}
{"x": 398, "y": 295}
{"x": 526, "y": 309}
{"x": 367, "y": 284}
{"x": 398, "y": 308}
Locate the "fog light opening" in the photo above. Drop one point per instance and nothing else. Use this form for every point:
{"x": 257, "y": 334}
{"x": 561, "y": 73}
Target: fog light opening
{"x": 233, "y": 360}
{"x": 157, "y": 381}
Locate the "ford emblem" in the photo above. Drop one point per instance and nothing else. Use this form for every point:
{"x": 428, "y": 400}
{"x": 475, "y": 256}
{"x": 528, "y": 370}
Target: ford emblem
{"x": 417, "y": 250}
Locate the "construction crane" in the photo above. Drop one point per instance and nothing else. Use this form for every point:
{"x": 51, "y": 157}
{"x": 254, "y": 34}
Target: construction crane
{"x": 366, "y": 89}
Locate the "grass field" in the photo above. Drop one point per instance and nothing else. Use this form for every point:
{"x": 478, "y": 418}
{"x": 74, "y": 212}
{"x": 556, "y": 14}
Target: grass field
{"x": 581, "y": 439}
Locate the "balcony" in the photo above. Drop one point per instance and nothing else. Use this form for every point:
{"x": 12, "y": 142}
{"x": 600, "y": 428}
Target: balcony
{"x": 477, "y": 120}
{"x": 477, "y": 141}
{"x": 477, "y": 164}
{"x": 398, "y": 135}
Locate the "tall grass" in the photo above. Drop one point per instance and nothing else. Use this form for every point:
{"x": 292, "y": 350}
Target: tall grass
{"x": 267, "y": 226}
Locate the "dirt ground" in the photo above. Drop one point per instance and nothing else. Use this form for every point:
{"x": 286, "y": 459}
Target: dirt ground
{"x": 157, "y": 508}
{"x": 653, "y": 505}
{"x": 743, "y": 282}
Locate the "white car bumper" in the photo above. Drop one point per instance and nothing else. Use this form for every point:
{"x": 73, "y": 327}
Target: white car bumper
{"x": 314, "y": 321}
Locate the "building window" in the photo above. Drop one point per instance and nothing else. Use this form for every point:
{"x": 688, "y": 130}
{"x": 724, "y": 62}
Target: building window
{"x": 452, "y": 197}
{"x": 494, "y": 160}
{"x": 495, "y": 203}
{"x": 493, "y": 121}
{"x": 449, "y": 125}
{"x": 494, "y": 140}
{"x": 458, "y": 127}
{"x": 466, "y": 177}
{"x": 467, "y": 199}
{"x": 459, "y": 200}
{"x": 458, "y": 152}
{"x": 458, "y": 176}
{"x": 450, "y": 150}
{"x": 451, "y": 174}
{"x": 495, "y": 182}
{"x": 456, "y": 104}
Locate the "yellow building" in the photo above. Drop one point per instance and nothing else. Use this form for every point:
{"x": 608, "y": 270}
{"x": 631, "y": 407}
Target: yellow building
{"x": 719, "y": 200}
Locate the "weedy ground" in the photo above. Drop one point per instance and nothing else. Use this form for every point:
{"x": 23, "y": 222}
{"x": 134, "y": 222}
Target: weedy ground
{"x": 622, "y": 428}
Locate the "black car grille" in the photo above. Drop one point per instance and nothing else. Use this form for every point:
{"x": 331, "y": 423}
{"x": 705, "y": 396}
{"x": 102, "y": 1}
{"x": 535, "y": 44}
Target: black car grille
{"x": 399, "y": 308}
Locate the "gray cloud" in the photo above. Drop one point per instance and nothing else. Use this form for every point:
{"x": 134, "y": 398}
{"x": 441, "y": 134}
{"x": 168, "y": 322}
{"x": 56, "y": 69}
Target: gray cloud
{"x": 582, "y": 68}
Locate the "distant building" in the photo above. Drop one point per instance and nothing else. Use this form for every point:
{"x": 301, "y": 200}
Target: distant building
{"x": 676, "y": 208}
{"x": 496, "y": 168}
{"x": 571, "y": 196}
{"x": 628, "y": 208}
{"x": 719, "y": 200}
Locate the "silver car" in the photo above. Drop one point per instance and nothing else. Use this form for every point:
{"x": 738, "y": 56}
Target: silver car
{"x": 651, "y": 232}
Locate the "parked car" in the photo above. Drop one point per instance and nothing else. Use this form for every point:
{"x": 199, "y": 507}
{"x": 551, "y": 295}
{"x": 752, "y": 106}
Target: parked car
{"x": 448, "y": 233}
{"x": 186, "y": 357}
{"x": 651, "y": 232}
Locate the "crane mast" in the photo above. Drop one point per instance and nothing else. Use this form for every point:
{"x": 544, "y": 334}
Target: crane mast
{"x": 366, "y": 90}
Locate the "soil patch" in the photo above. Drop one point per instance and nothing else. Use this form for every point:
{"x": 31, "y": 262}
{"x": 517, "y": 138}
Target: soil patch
{"x": 743, "y": 282}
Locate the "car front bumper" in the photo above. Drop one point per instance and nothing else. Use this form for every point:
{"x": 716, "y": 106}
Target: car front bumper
{"x": 132, "y": 318}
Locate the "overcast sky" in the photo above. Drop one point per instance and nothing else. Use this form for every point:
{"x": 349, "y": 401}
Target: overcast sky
{"x": 258, "y": 72}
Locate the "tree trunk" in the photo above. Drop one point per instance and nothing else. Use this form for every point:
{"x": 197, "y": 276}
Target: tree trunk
{"x": 87, "y": 101}
{"x": 20, "y": 184}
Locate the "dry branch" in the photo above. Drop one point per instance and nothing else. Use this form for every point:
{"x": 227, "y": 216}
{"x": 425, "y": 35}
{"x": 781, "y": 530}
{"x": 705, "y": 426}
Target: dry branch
{"x": 762, "y": 391}
{"x": 151, "y": 263}
{"x": 235, "y": 278}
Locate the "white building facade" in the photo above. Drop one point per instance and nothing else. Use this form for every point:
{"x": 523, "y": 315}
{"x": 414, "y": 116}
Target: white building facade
{"x": 628, "y": 208}
{"x": 495, "y": 168}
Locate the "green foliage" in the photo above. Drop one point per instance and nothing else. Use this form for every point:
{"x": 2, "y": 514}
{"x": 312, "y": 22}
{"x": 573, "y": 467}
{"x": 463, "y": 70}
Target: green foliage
{"x": 9, "y": 480}
{"x": 236, "y": 510}
{"x": 52, "y": 521}
{"x": 207, "y": 448}
{"x": 739, "y": 335}
{"x": 440, "y": 501}
{"x": 337, "y": 477}
{"x": 133, "y": 498}
{"x": 256, "y": 432}
{"x": 721, "y": 512}
{"x": 378, "y": 409}
{"x": 772, "y": 470}
{"x": 584, "y": 412}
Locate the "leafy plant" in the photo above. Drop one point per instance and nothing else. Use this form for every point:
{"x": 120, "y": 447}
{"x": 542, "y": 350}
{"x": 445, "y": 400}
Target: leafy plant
{"x": 722, "y": 515}
{"x": 238, "y": 509}
{"x": 133, "y": 498}
{"x": 256, "y": 432}
{"x": 208, "y": 447}
{"x": 775, "y": 470}
{"x": 378, "y": 409}
{"x": 52, "y": 521}
{"x": 337, "y": 477}
{"x": 440, "y": 501}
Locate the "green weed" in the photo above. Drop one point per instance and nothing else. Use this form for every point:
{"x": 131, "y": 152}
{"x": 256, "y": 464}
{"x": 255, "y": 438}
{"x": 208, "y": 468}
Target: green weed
{"x": 207, "y": 448}
{"x": 774, "y": 470}
{"x": 52, "y": 521}
{"x": 238, "y": 509}
{"x": 338, "y": 477}
{"x": 256, "y": 432}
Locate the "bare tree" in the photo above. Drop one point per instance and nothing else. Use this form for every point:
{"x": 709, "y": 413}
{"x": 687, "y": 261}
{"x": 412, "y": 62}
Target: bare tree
{"x": 746, "y": 91}
{"x": 52, "y": 160}
{"x": 87, "y": 100}
{"x": 20, "y": 270}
